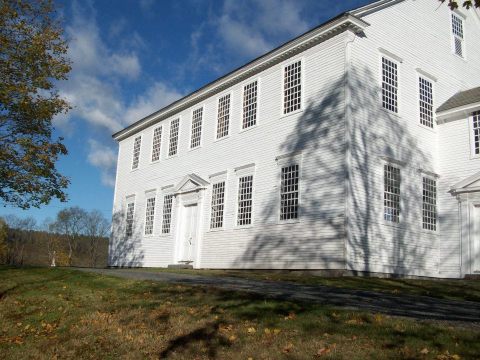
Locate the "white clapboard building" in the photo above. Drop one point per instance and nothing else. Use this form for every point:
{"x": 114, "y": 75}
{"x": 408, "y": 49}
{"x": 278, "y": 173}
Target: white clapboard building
{"x": 353, "y": 147}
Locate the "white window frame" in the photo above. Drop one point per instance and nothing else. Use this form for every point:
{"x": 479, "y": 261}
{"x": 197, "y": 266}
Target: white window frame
{"x": 302, "y": 84}
{"x": 139, "y": 153}
{"x": 240, "y": 172}
{"x": 250, "y": 81}
{"x": 284, "y": 161}
{"x": 150, "y": 195}
{"x": 222, "y": 226}
{"x": 398, "y": 61}
{"x": 423, "y": 75}
{"x": 164, "y": 195}
{"x": 229, "y": 116}
{"x": 170, "y": 136}
{"x": 427, "y": 175}
{"x": 162, "y": 137}
{"x": 399, "y": 165}
{"x": 453, "y": 36}
{"x": 201, "y": 127}
{"x": 130, "y": 200}
{"x": 472, "y": 134}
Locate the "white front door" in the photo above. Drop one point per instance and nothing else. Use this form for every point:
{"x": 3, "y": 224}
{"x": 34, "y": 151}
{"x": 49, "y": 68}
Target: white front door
{"x": 189, "y": 233}
{"x": 476, "y": 239}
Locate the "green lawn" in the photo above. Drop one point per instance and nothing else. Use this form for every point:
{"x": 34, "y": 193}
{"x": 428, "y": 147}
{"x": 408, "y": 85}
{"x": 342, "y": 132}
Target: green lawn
{"x": 438, "y": 288}
{"x": 59, "y": 314}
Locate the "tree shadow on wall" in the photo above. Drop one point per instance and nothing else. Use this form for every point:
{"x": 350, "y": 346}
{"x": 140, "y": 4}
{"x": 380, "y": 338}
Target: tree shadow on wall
{"x": 342, "y": 168}
{"x": 123, "y": 250}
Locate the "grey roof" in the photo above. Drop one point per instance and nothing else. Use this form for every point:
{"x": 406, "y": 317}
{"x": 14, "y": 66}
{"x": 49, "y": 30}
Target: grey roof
{"x": 460, "y": 99}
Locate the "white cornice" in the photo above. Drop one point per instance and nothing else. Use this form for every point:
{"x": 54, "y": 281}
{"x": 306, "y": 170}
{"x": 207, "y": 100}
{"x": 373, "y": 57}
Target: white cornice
{"x": 461, "y": 112}
{"x": 293, "y": 47}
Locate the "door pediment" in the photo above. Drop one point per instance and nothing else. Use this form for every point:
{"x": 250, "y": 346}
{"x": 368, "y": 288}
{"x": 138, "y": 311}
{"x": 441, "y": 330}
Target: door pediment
{"x": 189, "y": 183}
{"x": 470, "y": 184}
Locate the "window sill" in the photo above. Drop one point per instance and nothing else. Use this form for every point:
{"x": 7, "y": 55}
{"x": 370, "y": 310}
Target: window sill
{"x": 459, "y": 57}
{"x": 475, "y": 157}
{"x": 390, "y": 112}
{"x": 248, "y": 129}
{"x": 429, "y": 232}
{"x": 243, "y": 227}
{"x": 195, "y": 148}
{"x": 154, "y": 162}
{"x": 291, "y": 113}
{"x": 215, "y": 230}
{"x": 133, "y": 170}
{"x": 392, "y": 224}
{"x": 222, "y": 138}
{"x": 284, "y": 222}
{"x": 171, "y": 157}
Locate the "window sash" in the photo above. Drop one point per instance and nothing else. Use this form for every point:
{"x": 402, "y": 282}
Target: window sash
{"x": 389, "y": 85}
{"x": 167, "y": 214}
{"x": 429, "y": 204}
{"x": 250, "y": 92}
{"x": 196, "y": 136}
{"x": 245, "y": 200}
{"x": 426, "y": 101}
{"x": 223, "y": 116}
{"x": 292, "y": 87}
{"x": 476, "y": 132}
{"x": 217, "y": 205}
{"x": 289, "y": 192}
{"x": 391, "y": 193}
{"x": 457, "y": 33}
{"x": 136, "y": 152}
{"x": 149, "y": 215}
{"x": 174, "y": 130}
{"x": 156, "y": 143}
{"x": 129, "y": 219}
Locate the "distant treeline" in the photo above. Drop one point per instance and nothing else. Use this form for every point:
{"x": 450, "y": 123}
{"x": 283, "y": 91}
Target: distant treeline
{"x": 75, "y": 238}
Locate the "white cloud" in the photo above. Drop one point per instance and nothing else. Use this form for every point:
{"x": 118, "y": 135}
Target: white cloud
{"x": 105, "y": 159}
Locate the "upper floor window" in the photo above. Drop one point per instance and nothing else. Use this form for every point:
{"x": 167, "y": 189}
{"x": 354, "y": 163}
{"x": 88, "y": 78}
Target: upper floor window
{"x": 245, "y": 193}
{"x": 136, "y": 152}
{"x": 174, "y": 128}
{"x": 476, "y": 132}
{"x": 129, "y": 219}
{"x": 429, "y": 204}
{"x": 389, "y": 85}
{"x": 289, "y": 192}
{"x": 156, "y": 143}
{"x": 457, "y": 33}
{"x": 391, "y": 193}
{"x": 218, "y": 205}
{"x": 426, "y": 102}
{"x": 223, "y": 116}
{"x": 292, "y": 87}
{"x": 149, "y": 215}
{"x": 250, "y": 105}
{"x": 167, "y": 213}
{"x": 196, "y": 135}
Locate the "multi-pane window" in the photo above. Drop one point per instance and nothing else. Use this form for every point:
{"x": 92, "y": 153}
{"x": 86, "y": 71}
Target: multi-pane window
{"x": 136, "y": 152}
{"x": 457, "y": 32}
{"x": 223, "y": 116}
{"x": 245, "y": 193}
{"x": 429, "y": 204}
{"x": 292, "y": 87}
{"x": 389, "y": 85}
{"x": 476, "y": 132}
{"x": 218, "y": 205}
{"x": 426, "y": 102}
{"x": 129, "y": 219}
{"x": 196, "y": 136}
{"x": 149, "y": 215}
{"x": 289, "y": 192}
{"x": 156, "y": 143}
{"x": 250, "y": 105}
{"x": 391, "y": 194}
{"x": 173, "y": 145}
{"x": 167, "y": 213}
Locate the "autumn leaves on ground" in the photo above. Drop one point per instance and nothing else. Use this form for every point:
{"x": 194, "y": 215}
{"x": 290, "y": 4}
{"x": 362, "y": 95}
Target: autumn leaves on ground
{"x": 60, "y": 313}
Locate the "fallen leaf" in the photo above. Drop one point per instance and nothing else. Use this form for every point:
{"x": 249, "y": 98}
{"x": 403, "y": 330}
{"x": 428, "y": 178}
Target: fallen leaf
{"x": 251, "y": 330}
{"x": 323, "y": 351}
{"x": 424, "y": 351}
{"x": 288, "y": 348}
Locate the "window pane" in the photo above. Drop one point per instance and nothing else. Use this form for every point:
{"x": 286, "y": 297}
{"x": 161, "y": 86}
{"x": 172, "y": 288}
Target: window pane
{"x": 389, "y": 85}
{"x": 429, "y": 207}
{"x": 129, "y": 219}
{"x": 245, "y": 192}
{"x": 136, "y": 152}
{"x": 218, "y": 203}
{"x": 292, "y": 87}
{"x": 156, "y": 143}
{"x": 167, "y": 213}
{"x": 173, "y": 147}
{"x": 223, "y": 116}
{"x": 249, "y": 105}
{"x": 391, "y": 194}
{"x": 289, "y": 192}
{"x": 476, "y": 132}
{"x": 196, "y": 128}
{"x": 426, "y": 102}
{"x": 149, "y": 216}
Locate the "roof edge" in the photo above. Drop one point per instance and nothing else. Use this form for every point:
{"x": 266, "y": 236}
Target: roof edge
{"x": 338, "y": 24}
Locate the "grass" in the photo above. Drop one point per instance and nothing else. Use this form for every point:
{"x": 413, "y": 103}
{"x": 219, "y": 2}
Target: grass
{"x": 439, "y": 288}
{"x": 61, "y": 313}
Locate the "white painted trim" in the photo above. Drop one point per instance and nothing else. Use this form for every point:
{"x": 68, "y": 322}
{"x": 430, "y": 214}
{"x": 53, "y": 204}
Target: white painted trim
{"x": 161, "y": 143}
{"x": 201, "y": 127}
{"x": 399, "y": 82}
{"x": 242, "y": 91}
{"x": 457, "y": 113}
{"x": 230, "y": 112}
{"x": 302, "y": 86}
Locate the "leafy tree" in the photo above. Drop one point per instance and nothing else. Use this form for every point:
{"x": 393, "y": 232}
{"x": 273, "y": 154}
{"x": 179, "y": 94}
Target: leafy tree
{"x": 96, "y": 229}
{"x": 71, "y": 222}
{"x": 32, "y": 59}
{"x": 466, "y": 3}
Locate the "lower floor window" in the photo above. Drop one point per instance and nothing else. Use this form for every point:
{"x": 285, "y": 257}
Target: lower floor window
{"x": 167, "y": 214}
{"x": 289, "y": 192}
{"x": 129, "y": 219}
{"x": 149, "y": 216}
{"x": 429, "y": 204}
{"x": 245, "y": 192}
{"x": 218, "y": 205}
{"x": 391, "y": 193}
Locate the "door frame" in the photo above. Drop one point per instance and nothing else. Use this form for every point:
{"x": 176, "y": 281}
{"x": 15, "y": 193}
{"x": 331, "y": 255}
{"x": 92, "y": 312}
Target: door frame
{"x": 183, "y": 200}
{"x": 474, "y": 236}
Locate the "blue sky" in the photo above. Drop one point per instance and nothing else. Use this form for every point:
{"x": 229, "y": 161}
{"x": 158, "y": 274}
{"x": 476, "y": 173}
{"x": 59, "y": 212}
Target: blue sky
{"x": 131, "y": 58}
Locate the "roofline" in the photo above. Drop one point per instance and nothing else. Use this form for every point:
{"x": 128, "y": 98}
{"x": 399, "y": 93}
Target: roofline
{"x": 458, "y": 112}
{"x": 338, "y": 24}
